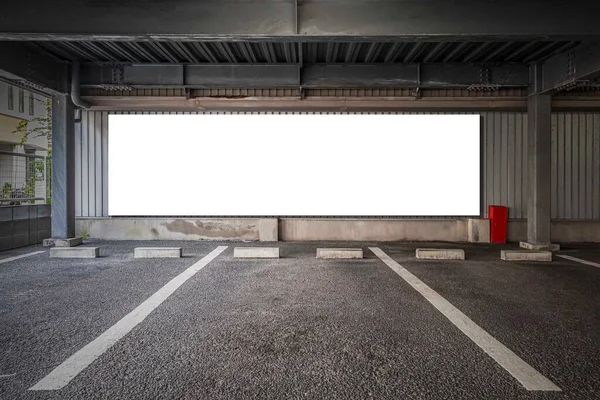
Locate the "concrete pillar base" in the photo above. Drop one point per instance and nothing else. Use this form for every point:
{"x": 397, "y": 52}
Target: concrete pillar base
{"x": 70, "y": 242}
{"x": 537, "y": 247}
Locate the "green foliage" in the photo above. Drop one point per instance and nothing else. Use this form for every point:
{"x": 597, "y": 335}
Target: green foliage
{"x": 37, "y": 126}
{"x": 49, "y": 178}
{"x": 37, "y": 167}
{"x": 40, "y": 126}
{"x": 6, "y": 190}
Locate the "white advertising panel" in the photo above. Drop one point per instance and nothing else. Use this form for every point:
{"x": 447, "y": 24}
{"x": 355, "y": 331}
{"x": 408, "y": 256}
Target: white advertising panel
{"x": 294, "y": 165}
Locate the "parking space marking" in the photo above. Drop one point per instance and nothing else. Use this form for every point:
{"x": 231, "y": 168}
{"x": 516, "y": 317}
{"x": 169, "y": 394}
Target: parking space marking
{"x": 579, "y": 260}
{"x": 69, "y": 369}
{"x": 506, "y": 358}
{"x": 5, "y": 260}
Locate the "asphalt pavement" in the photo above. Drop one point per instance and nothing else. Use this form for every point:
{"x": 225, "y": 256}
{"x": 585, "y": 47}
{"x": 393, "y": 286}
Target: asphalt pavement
{"x": 298, "y": 327}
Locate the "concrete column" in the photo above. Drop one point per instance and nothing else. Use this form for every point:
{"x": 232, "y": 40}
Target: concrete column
{"x": 63, "y": 167}
{"x": 539, "y": 108}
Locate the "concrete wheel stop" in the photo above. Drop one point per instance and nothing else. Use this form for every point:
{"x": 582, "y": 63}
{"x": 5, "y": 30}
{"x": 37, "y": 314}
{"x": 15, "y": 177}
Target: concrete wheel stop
{"x": 545, "y": 247}
{"x": 440, "y": 254}
{"x": 256, "y": 252}
{"x": 157, "y": 252}
{"x": 526, "y": 255}
{"x": 74, "y": 252}
{"x": 340, "y": 253}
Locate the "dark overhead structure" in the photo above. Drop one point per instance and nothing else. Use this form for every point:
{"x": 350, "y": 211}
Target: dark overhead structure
{"x": 312, "y": 20}
{"x": 302, "y": 43}
{"x": 545, "y": 47}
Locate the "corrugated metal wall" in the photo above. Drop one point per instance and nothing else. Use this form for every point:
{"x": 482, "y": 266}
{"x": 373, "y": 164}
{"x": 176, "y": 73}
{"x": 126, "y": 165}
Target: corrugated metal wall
{"x": 575, "y": 166}
{"x": 505, "y": 161}
{"x": 91, "y": 164}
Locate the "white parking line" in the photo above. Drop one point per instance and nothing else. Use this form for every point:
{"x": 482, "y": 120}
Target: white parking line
{"x": 65, "y": 372}
{"x": 579, "y": 260}
{"x": 5, "y": 260}
{"x": 519, "y": 369}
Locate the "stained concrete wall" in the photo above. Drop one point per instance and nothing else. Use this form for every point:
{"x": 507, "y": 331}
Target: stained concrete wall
{"x": 289, "y": 229}
{"x": 23, "y": 225}
{"x": 562, "y": 231}
{"x": 306, "y": 229}
{"x": 168, "y": 228}
{"x": 478, "y": 230}
{"x": 373, "y": 229}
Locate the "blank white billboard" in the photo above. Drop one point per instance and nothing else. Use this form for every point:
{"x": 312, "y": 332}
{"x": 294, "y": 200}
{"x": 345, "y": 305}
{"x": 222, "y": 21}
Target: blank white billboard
{"x": 294, "y": 165}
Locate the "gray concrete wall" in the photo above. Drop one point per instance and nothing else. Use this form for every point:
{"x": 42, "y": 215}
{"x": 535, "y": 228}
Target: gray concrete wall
{"x": 290, "y": 229}
{"x": 562, "y": 231}
{"x": 450, "y": 230}
{"x": 23, "y": 225}
{"x": 478, "y": 230}
{"x": 168, "y": 228}
{"x": 305, "y": 229}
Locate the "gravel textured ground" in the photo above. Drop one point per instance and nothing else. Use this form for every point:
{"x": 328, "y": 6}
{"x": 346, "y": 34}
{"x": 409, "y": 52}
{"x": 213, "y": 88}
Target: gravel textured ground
{"x": 298, "y": 327}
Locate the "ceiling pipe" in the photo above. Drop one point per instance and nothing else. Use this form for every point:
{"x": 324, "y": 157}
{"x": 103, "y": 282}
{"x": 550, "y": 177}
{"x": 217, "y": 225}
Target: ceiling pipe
{"x": 75, "y": 87}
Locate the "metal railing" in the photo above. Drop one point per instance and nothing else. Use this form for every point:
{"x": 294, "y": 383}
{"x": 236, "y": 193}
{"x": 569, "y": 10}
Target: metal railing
{"x": 24, "y": 179}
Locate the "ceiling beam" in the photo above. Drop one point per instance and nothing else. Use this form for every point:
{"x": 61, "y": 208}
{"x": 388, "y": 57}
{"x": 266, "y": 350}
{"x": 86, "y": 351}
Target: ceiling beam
{"x": 335, "y": 104}
{"x": 311, "y": 75}
{"x": 190, "y": 76}
{"x": 442, "y": 20}
{"x": 570, "y": 69}
{"x": 22, "y": 62}
{"x": 432, "y": 20}
{"x": 414, "y": 75}
{"x": 141, "y": 20}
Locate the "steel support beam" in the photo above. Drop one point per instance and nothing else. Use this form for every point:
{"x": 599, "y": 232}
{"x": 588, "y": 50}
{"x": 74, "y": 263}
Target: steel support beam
{"x": 408, "y": 75}
{"x": 539, "y": 109}
{"x": 568, "y": 70}
{"x": 442, "y": 20}
{"x": 146, "y": 19}
{"x": 63, "y": 167}
{"x": 20, "y": 61}
{"x": 334, "y": 103}
{"x": 318, "y": 76}
{"x": 191, "y": 76}
{"x": 436, "y": 20}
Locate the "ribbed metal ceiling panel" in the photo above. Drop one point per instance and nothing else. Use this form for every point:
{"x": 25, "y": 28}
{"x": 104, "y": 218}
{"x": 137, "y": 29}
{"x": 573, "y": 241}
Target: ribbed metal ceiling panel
{"x": 289, "y": 52}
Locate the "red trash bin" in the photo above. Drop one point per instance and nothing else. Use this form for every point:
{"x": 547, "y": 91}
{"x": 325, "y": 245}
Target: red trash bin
{"x": 498, "y": 216}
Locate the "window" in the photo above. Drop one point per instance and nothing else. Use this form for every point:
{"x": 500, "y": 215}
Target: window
{"x": 31, "y": 104}
{"x": 11, "y": 98}
{"x": 21, "y": 101}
